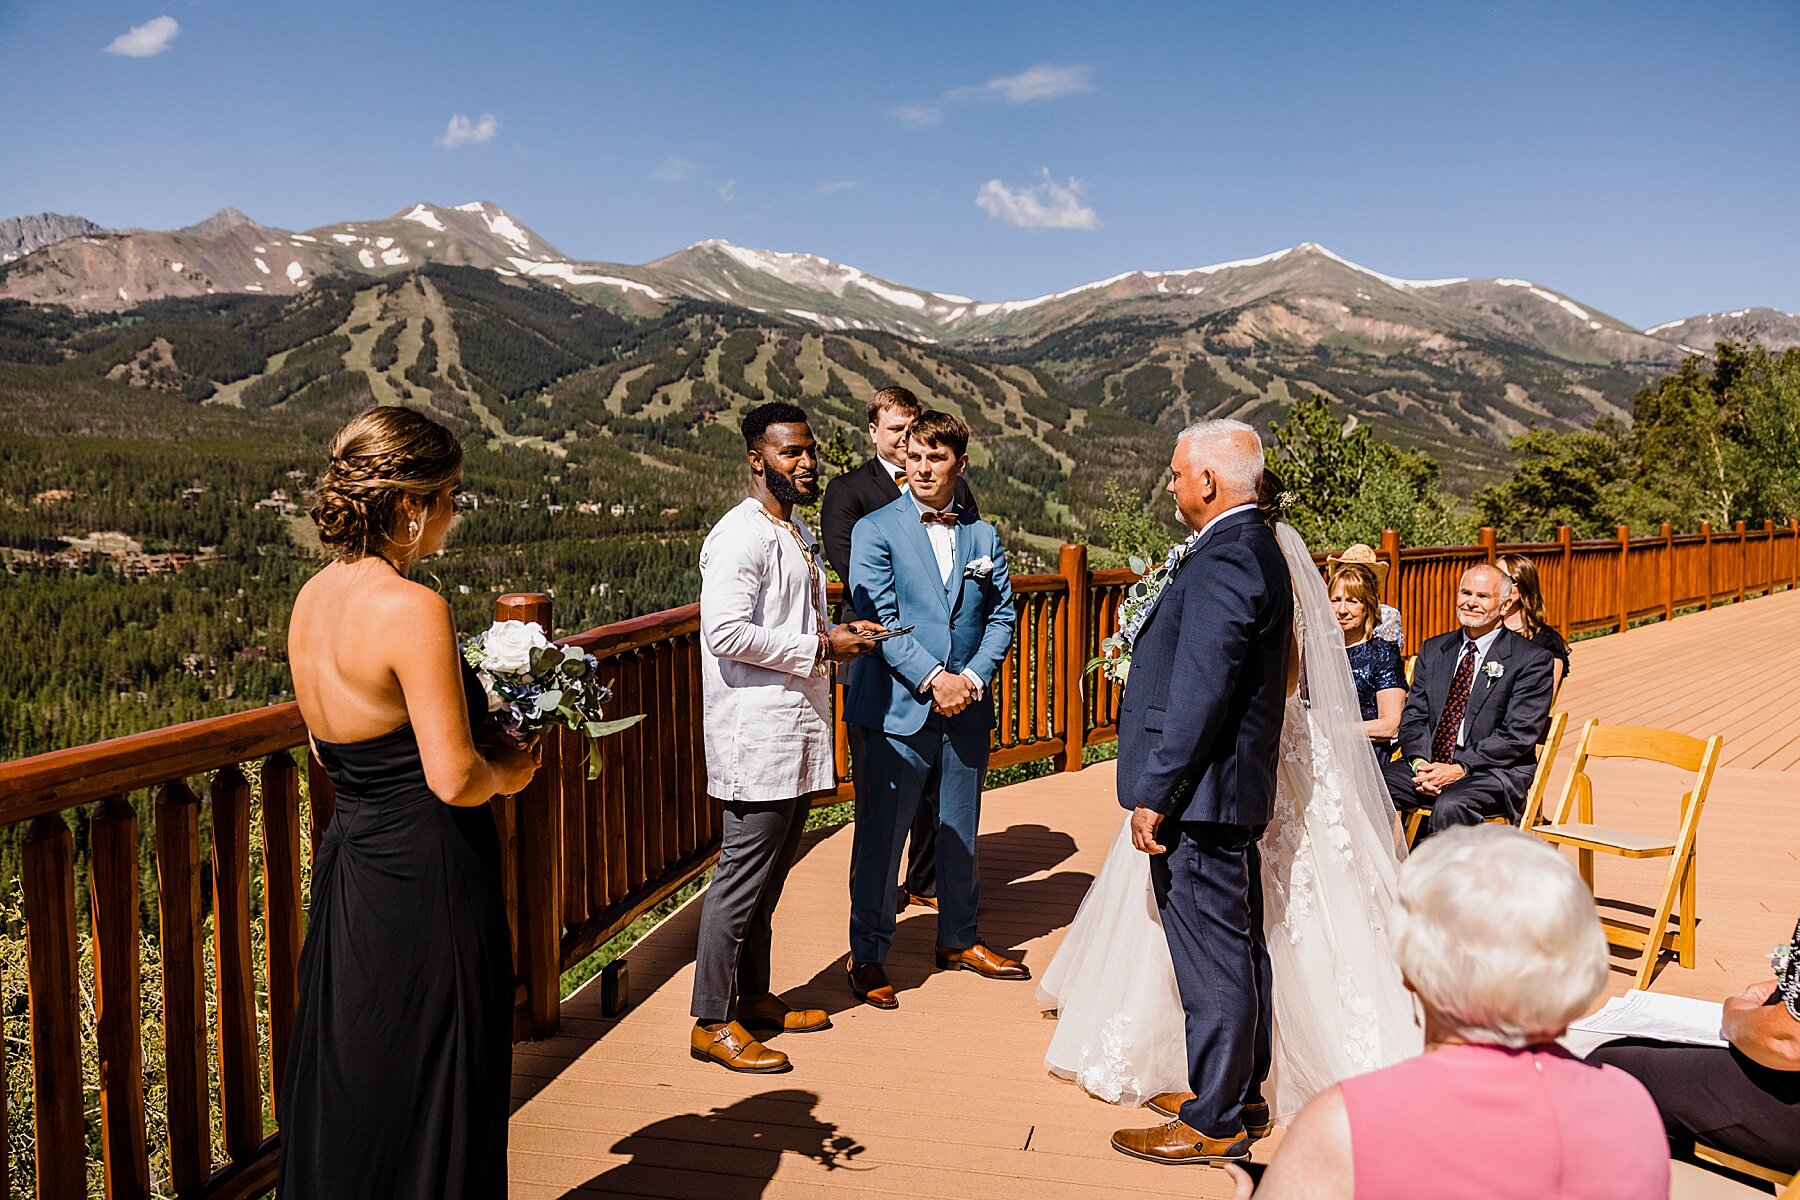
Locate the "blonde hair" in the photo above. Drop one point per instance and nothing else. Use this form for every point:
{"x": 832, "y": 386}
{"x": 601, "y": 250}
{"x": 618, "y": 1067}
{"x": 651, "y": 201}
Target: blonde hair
{"x": 1498, "y": 936}
{"x": 1359, "y": 581}
{"x": 378, "y": 458}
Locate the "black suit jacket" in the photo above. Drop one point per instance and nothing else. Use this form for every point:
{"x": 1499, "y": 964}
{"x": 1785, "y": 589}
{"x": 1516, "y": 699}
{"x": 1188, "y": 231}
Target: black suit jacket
{"x": 1507, "y": 714}
{"x": 855, "y": 494}
{"x": 1200, "y": 722}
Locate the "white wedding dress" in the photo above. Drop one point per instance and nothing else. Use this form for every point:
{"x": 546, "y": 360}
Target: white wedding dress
{"x": 1331, "y": 856}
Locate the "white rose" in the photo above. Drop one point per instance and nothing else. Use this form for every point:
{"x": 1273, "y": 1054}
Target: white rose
{"x": 979, "y": 568}
{"x": 509, "y": 645}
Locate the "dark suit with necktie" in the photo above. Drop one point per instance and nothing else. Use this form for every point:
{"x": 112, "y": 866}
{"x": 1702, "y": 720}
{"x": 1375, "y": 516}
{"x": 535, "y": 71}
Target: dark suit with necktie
{"x": 1501, "y": 710}
{"x": 848, "y": 499}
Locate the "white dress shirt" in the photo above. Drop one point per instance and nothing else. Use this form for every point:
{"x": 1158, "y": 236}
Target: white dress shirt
{"x": 1483, "y": 644}
{"x": 943, "y": 544}
{"x": 767, "y": 716}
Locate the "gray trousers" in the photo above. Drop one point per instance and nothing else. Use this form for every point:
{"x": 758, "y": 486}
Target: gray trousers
{"x": 755, "y": 853}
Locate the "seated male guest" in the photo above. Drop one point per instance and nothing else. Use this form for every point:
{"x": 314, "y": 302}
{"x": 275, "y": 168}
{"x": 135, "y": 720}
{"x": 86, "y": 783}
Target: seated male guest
{"x": 1479, "y": 703}
{"x": 848, "y": 499}
{"x": 1497, "y": 936}
{"x": 1742, "y": 1098}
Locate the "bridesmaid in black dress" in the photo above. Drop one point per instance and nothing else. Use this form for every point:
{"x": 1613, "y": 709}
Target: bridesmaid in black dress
{"x": 398, "y": 1078}
{"x": 1522, "y": 611}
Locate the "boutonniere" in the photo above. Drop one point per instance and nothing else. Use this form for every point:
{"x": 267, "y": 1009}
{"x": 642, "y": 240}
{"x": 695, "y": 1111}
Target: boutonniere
{"x": 979, "y": 568}
{"x": 1494, "y": 670}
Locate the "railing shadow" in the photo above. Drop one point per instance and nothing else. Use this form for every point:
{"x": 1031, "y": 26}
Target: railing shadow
{"x": 729, "y": 1153}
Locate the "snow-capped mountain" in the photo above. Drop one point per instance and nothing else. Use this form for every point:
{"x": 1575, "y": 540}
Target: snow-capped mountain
{"x": 1773, "y": 328}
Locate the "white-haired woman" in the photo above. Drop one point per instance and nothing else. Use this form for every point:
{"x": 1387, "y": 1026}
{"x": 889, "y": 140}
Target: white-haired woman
{"x": 1499, "y": 939}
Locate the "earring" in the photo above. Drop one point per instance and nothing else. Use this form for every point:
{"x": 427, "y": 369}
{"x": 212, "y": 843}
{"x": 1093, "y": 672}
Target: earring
{"x": 412, "y": 530}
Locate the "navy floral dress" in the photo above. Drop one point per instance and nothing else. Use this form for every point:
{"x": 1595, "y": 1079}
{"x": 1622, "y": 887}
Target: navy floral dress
{"x": 1375, "y": 667}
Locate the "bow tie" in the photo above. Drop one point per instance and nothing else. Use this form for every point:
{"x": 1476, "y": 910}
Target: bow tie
{"x": 936, "y": 518}
{"x": 899, "y": 478}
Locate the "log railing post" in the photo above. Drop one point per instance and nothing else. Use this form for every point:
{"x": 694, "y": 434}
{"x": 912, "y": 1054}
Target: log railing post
{"x": 240, "y": 1091}
{"x": 118, "y": 1007}
{"x": 1793, "y": 528}
{"x": 537, "y": 817}
{"x": 1072, "y": 565}
{"x": 1624, "y": 578}
{"x": 1707, "y": 555}
{"x": 1489, "y": 549}
{"x": 1768, "y": 572}
{"x": 281, "y": 906}
{"x": 58, "y": 1125}
{"x": 1565, "y": 541}
{"x": 1668, "y": 537}
{"x": 184, "y": 984}
{"x": 1743, "y": 548}
{"x": 1390, "y": 553}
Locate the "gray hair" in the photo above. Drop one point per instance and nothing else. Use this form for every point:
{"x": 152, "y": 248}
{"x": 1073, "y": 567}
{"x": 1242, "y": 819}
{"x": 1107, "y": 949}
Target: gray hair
{"x": 1219, "y": 443}
{"x": 1506, "y": 581}
{"x": 1498, "y": 936}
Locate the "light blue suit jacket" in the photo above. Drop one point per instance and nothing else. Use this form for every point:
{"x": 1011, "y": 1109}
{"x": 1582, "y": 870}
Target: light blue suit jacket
{"x": 894, "y": 579}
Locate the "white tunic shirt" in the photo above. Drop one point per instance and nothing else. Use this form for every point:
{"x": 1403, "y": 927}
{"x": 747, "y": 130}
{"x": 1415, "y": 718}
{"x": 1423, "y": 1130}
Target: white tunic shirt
{"x": 767, "y": 711}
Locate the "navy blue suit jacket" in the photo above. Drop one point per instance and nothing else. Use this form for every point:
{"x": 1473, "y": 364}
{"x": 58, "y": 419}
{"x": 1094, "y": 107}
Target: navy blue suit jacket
{"x": 1200, "y": 722}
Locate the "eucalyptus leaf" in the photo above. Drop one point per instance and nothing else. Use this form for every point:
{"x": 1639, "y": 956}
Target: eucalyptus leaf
{"x": 547, "y": 702}
{"x": 1138, "y": 565}
{"x": 600, "y": 729}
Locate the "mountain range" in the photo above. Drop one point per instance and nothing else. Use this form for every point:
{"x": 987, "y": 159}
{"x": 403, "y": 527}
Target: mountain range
{"x": 467, "y": 306}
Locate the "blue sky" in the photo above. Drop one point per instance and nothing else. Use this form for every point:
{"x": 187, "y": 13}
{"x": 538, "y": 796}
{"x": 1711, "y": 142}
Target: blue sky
{"x": 1642, "y": 157}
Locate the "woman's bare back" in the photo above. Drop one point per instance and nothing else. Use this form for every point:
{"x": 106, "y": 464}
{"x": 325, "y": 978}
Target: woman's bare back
{"x": 350, "y": 623}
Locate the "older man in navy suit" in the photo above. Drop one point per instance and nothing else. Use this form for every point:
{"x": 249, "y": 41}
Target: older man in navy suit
{"x": 1199, "y": 732}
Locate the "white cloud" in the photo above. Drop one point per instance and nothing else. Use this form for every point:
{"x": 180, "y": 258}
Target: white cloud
{"x": 463, "y": 132}
{"x": 728, "y": 191}
{"x": 1046, "y": 81}
{"x": 1046, "y": 204}
{"x": 674, "y": 170}
{"x": 916, "y": 116}
{"x": 146, "y": 40}
{"x": 836, "y": 185}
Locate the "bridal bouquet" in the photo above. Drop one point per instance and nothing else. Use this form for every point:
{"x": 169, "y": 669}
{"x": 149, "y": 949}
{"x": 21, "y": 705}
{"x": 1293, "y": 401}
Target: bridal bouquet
{"x": 533, "y": 684}
{"x": 1114, "y": 659}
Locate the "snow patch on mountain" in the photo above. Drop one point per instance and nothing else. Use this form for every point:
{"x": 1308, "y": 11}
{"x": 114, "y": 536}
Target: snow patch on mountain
{"x": 566, "y": 271}
{"x": 426, "y": 217}
{"x": 1569, "y": 305}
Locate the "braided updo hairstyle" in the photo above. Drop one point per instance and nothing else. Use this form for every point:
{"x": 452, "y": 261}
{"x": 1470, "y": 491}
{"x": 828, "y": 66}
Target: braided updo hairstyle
{"x": 378, "y": 458}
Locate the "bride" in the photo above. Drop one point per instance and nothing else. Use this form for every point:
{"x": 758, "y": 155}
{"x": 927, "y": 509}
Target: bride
{"x": 1330, "y": 857}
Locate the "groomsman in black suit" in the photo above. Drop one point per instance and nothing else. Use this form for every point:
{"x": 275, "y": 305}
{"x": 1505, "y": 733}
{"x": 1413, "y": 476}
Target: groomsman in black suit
{"x": 1478, "y": 706}
{"x": 848, "y": 499}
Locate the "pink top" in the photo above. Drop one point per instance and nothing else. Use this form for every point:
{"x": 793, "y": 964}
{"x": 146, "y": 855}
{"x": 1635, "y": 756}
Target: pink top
{"x": 1489, "y": 1123}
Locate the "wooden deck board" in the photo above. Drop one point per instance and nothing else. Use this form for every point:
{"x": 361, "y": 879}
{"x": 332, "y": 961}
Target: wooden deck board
{"x": 947, "y": 1097}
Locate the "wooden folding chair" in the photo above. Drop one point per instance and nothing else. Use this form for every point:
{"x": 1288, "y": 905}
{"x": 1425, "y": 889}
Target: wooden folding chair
{"x": 1574, "y": 826}
{"x": 1790, "y": 1184}
{"x": 1534, "y": 799}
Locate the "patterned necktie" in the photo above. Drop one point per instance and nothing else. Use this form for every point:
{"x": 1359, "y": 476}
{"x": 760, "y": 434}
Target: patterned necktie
{"x": 1443, "y": 739}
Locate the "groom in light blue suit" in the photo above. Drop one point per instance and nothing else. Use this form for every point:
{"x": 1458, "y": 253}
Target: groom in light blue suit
{"x": 919, "y": 564}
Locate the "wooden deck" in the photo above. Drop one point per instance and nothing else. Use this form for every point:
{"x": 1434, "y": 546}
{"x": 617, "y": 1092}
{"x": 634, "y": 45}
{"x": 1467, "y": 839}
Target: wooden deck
{"x": 947, "y": 1097}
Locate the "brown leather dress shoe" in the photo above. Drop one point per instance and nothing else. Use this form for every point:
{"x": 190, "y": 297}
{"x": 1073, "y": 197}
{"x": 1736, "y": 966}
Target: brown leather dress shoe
{"x": 984, "y": 962}
{"x": 732, "y": 1047}
{"x": 913, "y": 898}
{"x": 773, "y": 1014}
{"x": 1257, "y": 1122}
{"x": 870, "y": 984}
{"x": 1176, "y": 1144}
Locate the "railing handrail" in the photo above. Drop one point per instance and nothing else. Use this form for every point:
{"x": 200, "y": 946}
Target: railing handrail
{"x": 59, "y": 780}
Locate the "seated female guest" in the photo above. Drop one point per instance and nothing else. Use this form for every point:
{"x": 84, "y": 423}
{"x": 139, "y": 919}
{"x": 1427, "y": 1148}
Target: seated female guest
{"x": 398, "y": 1076}
{"x": 1374, "y": 661}
{"x": 1744, "y": 1098}
{"x": 1522, "y": 611}
{"x": 1498, "y": 937}
{"x": 1388, "y": 625}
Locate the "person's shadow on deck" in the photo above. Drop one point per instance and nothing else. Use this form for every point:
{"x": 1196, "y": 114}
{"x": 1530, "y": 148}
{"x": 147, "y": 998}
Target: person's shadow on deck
{"x": 1015, "y": 909}
{"x": 728, "y": 1153}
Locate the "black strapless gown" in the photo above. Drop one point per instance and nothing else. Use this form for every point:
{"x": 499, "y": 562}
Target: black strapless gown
{"x": 399, "y": 1074}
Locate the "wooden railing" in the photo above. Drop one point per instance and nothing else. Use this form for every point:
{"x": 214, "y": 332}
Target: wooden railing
{"x": 583, "y": 858}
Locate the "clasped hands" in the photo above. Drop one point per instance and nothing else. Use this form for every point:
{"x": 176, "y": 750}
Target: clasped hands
{"x": 951, "y": 692}
{"x": 1430, "y": 779}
